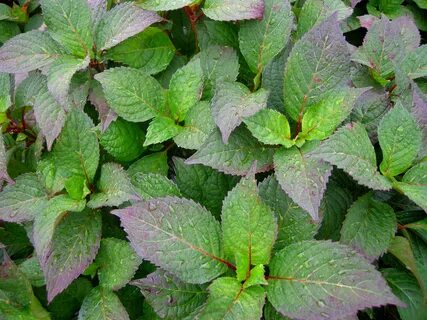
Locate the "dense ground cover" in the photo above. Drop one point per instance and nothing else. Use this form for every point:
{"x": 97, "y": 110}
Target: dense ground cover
{"x": 217, "y": 159}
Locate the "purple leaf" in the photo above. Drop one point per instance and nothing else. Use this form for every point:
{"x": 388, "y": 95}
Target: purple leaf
{"x": 105, "y": 114}
{"x": 230, "y": 10}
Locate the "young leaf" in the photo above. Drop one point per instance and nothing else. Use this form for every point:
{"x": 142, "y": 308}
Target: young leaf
{"x": 176, "y": 234}
{"x": 218, "y": 64}
{"x": 405, "y": 286}
{"x": 132, "y": 94}
{"x": 384, "y": 45}
{"x": 294, "y": 223}
{"x": 318, "y": 63}
{"x": 102, "y": 304}
{"x": 5, "y": 90}
{"x": 185, "y": 89}
{"x": 248, "y": 225}
{"x": 400, "y": 141}
{"x": 50, "y": 115}
{"x": 332, "y": 281}
{"x": 369, "y": 226}
{"x": 419, "y": 111}
{"x": 314, "y": 12}
{"x": 151, "y": 51}
{"x": 229, "y": 300}
{"x": 415, "y": 63}
{"x": 69, "y": 23}
{"x": 29, "y": 51}
{"x": 123, "y": 140}
{"x": 122, "y": 22}
{"x": 161, "y": 129}
{"x": 73, "y": 247}
{"x": 170, "y": 297}
{"x": 59, "y": 76}
{"x": 261, "y": 40}
{"x": 165, "y": 5}
{"x": 117, "y": 263}
{"x": 232, "y": 103}
{"x": 302, "y": 177}
{"x": 152, "y": 186}
{"x": 229, "y": 10}
{"x": 236, "y": 157}
{"x": 4, "y": 175}
{"x": 23, "y": 200}
{"x": 351, "y": 150}
{"x": 203, "y": 184}
{"x": 114, "y": 187}
{"x": 198, "y": 125}
{"x": 270, "y": 127}
{"x": 47, "y": 220}
{"x": 77, "y": 151}
{"x": 414, "y": 184}
{"x": 321, "y": 120}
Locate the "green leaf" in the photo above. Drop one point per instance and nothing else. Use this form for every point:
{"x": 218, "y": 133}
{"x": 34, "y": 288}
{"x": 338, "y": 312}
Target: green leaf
{"x": 123, "y": 140}
{"x": 261, "y": 40}
{"x": 335, "y": 203}
{"x": 5, "y": 91}
{"x": 229, "y": 10}
{"x": 76, "y": 187}
{"x": 351, "y": 150}
{"x": 406, "y": 288}
{"x": 203, "y": 184}
{"x": 218, "y": 33}
{"x": 400, "y": 141}
{"x": 26, "y": 92}
{"x": 153, "y": 163}
{"x": 185, "y": 89}
{"x": 218, "y": 64}
{"x": 248, "y": 225}
{"x": 229, "y": 300}
{"x": 29, "y": 51}
{"x": 321, "y": 120}
{"x": 60, "y": 74}
{"x": 50, "y": 115}
{"x": 369, "y": 226}
{"x": 165, "y": 5}
{"x": 114, "y": 187}
{"x": 232, "y": 103}
{"x": 419, "y": 249}
{"x": 178, "y": 235}
{"x": 385, "y": 45}
{"x": 161, "y": 129}
{"x": 369, "y": 109}
{"x": 302, "y": 177}
{"x": 32, "y": 270}
{"x": 318, "y": 63}
{"x": 4, "y": 175}
{"x": 151, "y": 51}
{"x": 49, "y": 175}
{"x": 48, "y": 219}
{"x": 122, "y": 22}
{"x": 415, "y": 63}
{"x": 236, "y": 157}
{"x": 331, "y": 280}
{"x": 294, "y": 223}
{"x": 170, "y": 297}
{"x": 152, "y": 186}
{"x": 73, "y": 247}
{"x": 198, "y": 125}
{"x": 76, "y": 153}
{"x": 272, "y": 79}
{"x": 69, "y": 23}
{"x": 132, "y": 94}
{"x": 117, "y": 263}
{"x": 270, "y": 127}
{"x": 419, "y": 227}
{"x": 314, "y": 12}
{"x": 23, "y": 200}
{"x": 102, "y": 304}
{"x": 9, "y": 30}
